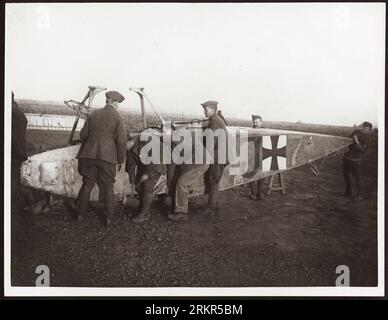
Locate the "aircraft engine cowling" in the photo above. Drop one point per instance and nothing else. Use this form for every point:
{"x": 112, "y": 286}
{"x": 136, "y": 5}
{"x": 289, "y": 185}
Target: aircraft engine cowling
{"x": 49, "y": 173}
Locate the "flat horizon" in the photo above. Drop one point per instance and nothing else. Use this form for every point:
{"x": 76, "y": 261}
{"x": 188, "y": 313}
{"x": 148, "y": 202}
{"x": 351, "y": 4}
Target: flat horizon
{"x": 59, "y": 103}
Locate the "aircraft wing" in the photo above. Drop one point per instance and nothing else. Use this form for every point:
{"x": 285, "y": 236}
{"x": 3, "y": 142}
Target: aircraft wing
{"x": 269, "y": 152}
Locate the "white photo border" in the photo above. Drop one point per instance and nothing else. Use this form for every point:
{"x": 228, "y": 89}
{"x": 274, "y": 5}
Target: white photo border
{"x": 14, "y": 291}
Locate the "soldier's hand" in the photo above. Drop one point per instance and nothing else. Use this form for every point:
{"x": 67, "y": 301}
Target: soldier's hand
{"x": 75, "y": 142}
{"x": 144, "y": 177}
{"x": 130, "y": 144}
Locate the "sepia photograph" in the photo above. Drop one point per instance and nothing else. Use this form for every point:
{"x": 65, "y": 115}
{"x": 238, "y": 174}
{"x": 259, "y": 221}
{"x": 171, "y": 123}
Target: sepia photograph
{"x": 194, "y": 149}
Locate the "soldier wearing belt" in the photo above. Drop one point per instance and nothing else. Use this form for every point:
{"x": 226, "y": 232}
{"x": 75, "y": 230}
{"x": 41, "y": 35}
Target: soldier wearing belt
{"x": 256, "y": 187}
{"x": 352, "y": 160}
{"x": 104, "y": 145}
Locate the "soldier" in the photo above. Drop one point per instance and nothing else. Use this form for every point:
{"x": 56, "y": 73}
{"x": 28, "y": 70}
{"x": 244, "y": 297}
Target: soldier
{"x": 257, "y": 121}
{"x": 195, "y": 174}
{"x": 33, "y": 201}
{"x": 149, "y": 178}
{"x": 215, "y": 171}
{"x": 352, "y": 160}
{"x": 104, "y": 145}
{"x": 256, "y": 187}
{"x": 18, "y": 152}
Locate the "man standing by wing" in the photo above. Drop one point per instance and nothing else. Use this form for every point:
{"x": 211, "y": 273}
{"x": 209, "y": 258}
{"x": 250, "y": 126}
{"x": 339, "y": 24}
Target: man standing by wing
{"x": 194, "y": 174}
{"x": 104, "y": 145}
{"x": 256, "y": 187}
{"x": 352, "y": 160}
{"x": 216, "y": 169}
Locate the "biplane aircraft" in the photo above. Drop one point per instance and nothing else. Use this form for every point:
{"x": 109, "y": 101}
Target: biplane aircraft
{"x": 270, "y": 151}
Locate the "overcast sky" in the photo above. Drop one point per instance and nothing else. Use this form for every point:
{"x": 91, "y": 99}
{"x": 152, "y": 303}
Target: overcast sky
{"x": 318, "y": 63}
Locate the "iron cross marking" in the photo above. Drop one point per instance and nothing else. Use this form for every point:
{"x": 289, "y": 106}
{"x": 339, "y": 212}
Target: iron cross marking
{"x": 274, "y": 153}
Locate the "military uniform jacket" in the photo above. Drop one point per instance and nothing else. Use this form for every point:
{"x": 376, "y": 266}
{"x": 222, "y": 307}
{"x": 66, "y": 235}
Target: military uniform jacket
{"x": 104, "y": 136}
{"x": 214, "y": 123}
{"x": 357, "y": 150}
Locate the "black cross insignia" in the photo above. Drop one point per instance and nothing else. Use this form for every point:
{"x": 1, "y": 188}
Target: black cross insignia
{"x": 274, "y": 153}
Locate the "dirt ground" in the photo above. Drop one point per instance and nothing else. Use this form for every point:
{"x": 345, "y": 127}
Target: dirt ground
{"x": 296, "y": 239}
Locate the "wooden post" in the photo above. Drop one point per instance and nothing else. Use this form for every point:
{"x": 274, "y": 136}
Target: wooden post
{"x": 142, "y": 109}
{"x": 77, "y": 117}
{"x": 279, "y": 186}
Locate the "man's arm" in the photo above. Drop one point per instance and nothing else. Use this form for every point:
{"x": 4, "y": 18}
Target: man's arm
{"x": 205, "y": 124}
{"x": 84, "y": 131}
{"x": 361, "y": 146}
{"x": 121, "y": 141}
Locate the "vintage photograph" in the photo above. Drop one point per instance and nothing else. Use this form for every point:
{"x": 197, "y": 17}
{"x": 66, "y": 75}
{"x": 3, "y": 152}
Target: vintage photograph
{"x": 194, "y": 147}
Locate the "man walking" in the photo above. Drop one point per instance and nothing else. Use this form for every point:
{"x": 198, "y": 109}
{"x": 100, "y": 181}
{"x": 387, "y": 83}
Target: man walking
{"x": 104, "y": 145}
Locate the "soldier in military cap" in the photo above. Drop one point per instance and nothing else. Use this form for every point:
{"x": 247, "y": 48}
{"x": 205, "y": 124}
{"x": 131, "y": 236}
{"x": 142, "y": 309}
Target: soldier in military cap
{"x": 353, "y": 158}
{"x": 257, "y": 121}
{"x": 211, "y": 173}
{"x": 104, "y": 141}
{"x": 256, "y": 187}
{"x": 215, "y": 171}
